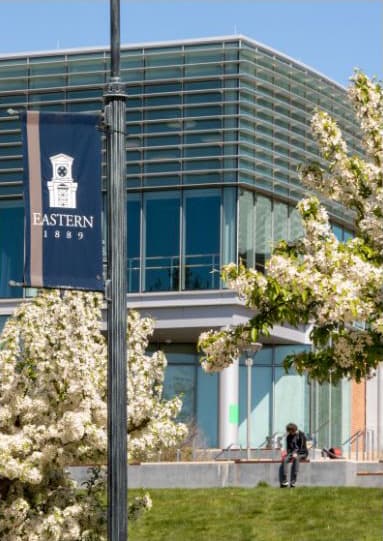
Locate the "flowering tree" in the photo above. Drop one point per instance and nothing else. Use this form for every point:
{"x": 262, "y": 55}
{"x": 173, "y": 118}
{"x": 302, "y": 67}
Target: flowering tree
{"x": 53, "y": 415}
{"x": 316, "y": 279}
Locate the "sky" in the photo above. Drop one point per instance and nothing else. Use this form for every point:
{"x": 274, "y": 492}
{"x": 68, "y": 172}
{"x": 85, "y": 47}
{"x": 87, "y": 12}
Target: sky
{"x": 330, "y": 36}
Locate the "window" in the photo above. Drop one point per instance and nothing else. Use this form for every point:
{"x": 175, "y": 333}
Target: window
{"x": 162, "y": 245}
{"x": 263, "y": 232}
{"x": 133, "y": 239}
{"x": 11, "y": 246}
{"x": 202, "y": 239}
{"x": 246, "y": 228}
{"x": 154, "y": 263}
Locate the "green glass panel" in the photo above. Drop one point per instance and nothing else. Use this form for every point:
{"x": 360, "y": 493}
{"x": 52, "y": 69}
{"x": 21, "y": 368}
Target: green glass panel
{"x": 163, "y": 140}
{"x": 162, "y": 73}
{"x": 289, "y": 400}
{"x": 133, "y": 155}
{"x": 196, "y": 151}
{"x": 280, "y": 221}
{"x": 12, "y": 84}
{"x": 155, "y": 101}
{"x": 46, "y": 68}
{"x": 132, "y": 169}
{"x": 161, "y": 167}
{"x": 203, "y": 85}
{"x": 203, "y": 56}
{"x": 162, "y": 154}
{"x": 9, "y": 70}
{"x": 48, "y": 96}
{"x": 203, "y": 70}
{"x": 86, "y": 78}
{"x": 85, "y": 65}
{"x": 129, "y": 62}
{"x": 203, "y": 111}
{"x": 155, "y": 114}
{"x": 180, "y": 380}
{"x": 11, "y": 256}
{"x": 133, "y": 243}
{"x": 163, "y": 60}
{"x": 202, "y": 239}
{"x": 207, "y": 408}
{"x": 246, "y": 228}
{"x": 260, "y": 418}
{"x": 195, "y": 124}
{"x": 164, "y": 180}
{"x": 204, "y": 178}
{"x": 47, "y": 82}
{"x": 162, "y": 88}
{"x": 157, "y": 127}
{"x": 203, "y": 97}
{"x": 296, "y": 228}
{"x": 263, "y": 231}
{"x": 162, "y": 212}
{"x": 202, "y": 164}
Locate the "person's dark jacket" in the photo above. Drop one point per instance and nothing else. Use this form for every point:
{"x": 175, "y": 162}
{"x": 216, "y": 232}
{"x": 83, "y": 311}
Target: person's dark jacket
{"x": 296, "y": 443}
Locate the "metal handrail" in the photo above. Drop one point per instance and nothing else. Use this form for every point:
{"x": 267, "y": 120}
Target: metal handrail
{"x": 367, "y": 437}
{"x": 228, "y": 449}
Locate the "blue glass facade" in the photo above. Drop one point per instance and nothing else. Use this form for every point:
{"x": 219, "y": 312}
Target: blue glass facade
{"x": 216, "y": 129}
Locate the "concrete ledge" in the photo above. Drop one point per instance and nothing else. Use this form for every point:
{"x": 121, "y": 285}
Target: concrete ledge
{"x": 264, "y": 461}
{"x": 245, "y": 474}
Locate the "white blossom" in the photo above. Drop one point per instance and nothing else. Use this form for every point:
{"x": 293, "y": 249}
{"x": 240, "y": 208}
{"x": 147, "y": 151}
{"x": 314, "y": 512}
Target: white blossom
{"x": 317, "y": 279}
{"x": 53, "y": 414}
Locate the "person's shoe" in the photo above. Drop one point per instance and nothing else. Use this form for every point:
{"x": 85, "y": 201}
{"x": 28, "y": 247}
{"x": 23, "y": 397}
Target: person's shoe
{"x": 292, "y": 484}
{"x": 284, "y": 484}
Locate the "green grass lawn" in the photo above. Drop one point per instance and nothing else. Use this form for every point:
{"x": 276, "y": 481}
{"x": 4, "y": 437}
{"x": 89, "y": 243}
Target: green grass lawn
{"x": 262, "y": 514}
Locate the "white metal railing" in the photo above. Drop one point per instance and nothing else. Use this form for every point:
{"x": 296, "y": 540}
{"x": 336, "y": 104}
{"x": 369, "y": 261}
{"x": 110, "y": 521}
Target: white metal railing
{"x": 361, "y": 445}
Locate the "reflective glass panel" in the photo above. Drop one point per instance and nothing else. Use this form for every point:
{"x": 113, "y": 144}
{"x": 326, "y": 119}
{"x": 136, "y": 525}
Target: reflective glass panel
{"x": 207, "y": 408}
{"x": 263, "y": 232}
{"x": 133, "y": 238}
{"x": 260, "y": 419}
{"x": 11, "y": 247}
{"x": 246, "y": 229}
{"x": 202, "y": 240}
{"x": 3, "y": 320}
{"x": 289, "y": 400}
{"x": 162, "y": 212}
{"x": 180, "y": 380}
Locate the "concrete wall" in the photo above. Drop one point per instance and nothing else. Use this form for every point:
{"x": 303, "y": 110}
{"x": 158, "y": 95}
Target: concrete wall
{"x": 246, "y": 475}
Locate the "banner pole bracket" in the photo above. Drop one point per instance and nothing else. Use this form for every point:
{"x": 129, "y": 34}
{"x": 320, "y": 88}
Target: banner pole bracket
{"x": 107, "y": 295}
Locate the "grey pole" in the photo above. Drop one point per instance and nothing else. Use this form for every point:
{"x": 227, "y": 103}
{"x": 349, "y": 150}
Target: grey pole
{"x": 115, "y": 113}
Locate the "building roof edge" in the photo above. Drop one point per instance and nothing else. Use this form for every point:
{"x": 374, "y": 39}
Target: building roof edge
{"x": 167, "y": 43}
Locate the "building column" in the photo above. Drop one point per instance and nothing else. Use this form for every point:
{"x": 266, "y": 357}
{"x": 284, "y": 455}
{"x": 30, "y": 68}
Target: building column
{"x": 374, "y": 414}
{"x": 228, "y": 416}
{"x": 379, "y": 413}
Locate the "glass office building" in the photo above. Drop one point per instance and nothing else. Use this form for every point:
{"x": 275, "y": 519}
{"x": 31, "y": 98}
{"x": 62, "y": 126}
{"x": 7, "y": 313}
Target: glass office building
{"x": 216, "y": 129}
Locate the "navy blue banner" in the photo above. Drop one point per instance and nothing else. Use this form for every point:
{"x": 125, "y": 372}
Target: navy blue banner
{"x": 62, "y": 191}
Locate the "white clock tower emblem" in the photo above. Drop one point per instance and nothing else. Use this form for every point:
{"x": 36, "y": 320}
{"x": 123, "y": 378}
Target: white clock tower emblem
{"x": 62, "y": 188}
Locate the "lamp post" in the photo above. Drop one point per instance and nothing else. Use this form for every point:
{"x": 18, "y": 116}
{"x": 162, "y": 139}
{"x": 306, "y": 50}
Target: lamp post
{"x": 250, "y": 352}
{"x": 116, "y": 287}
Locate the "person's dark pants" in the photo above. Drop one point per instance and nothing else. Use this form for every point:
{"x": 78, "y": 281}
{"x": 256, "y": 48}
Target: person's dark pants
{"x": 294, "y": 467}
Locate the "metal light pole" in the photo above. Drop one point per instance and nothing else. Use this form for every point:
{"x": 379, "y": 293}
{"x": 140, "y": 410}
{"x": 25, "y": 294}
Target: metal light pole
{"x": 115, "y": 112}
{"x": 250, "y": 351}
